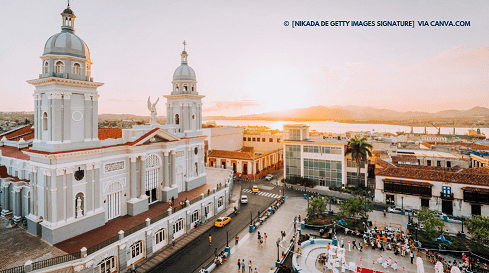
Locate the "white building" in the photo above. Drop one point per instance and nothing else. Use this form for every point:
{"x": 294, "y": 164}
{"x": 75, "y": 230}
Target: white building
{"x": 71, "y": 180}
{"x": 320, "y": 159}
{"x": 454, "y": 191}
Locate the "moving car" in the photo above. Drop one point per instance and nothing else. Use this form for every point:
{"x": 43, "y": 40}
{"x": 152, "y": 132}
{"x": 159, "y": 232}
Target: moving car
{"x": 254, "y": 189}
{"x": 269, "y": 177}
{"x": 222, "y": 221}
{"x": 244, "y": 199}
{"x": 394, "y": 209}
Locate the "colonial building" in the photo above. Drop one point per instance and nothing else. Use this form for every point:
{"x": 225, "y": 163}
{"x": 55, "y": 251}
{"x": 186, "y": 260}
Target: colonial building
{"x": 454, "y": 191}
{"x": 75, "y": 177}
{"x": 320, "y": 159}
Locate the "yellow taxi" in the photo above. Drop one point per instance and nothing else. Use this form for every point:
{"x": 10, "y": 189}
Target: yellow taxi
{"x": 222, "y": 221}
{"x": 254, "y": 189}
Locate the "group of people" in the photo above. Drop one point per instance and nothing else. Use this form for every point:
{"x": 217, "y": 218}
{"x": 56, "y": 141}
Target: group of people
{"x": 219, "y": 258}
{"x": 182, "y": 204}
{"x": 261, "y": 238}
{"x": 242, "y": 266}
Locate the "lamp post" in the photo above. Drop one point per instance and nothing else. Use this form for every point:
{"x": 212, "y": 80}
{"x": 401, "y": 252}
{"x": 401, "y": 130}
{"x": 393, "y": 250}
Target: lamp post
{"x": 227, "y": 238}
{"x": 402, "y": 204}
{"x": 251, "y": 218}
{"x": 278, "y": 250}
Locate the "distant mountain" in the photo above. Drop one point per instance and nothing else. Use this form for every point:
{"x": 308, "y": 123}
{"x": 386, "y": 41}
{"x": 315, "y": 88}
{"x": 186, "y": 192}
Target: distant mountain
{"x": 352, "y": 112}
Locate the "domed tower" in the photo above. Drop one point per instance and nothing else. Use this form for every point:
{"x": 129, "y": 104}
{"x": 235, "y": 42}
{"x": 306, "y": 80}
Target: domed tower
{"x": 184, "y": 106}
{"x": 66, "y": 97}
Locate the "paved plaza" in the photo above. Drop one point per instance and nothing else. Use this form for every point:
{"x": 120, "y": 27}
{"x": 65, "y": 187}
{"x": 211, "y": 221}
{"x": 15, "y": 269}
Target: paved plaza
{"x": 264, "y": 257}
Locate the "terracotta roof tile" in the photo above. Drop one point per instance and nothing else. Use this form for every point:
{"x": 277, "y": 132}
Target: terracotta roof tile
{"x": 14, "y": 152}
{"x": 19, "y": 132}
{"x": 106, "y": 133}
{"x": 404, "y": 158}
{"x": 231, "y": 154}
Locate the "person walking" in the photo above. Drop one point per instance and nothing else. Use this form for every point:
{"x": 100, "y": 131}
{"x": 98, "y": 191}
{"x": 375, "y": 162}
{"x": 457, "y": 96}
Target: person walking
{"x": 133, "y": 268}
{"x": 385, "y": 213}
{"x": 215, "y": 252}
{"x": 239, "y": 265}
{"x": 243, "y": 266}
{"x": 256, "y": 271}
{"x": 412, "y": 256}
{"x": 259, "y": 236}
{"x": 210, "y": 239}
{"x": 265, "y": 238}
{"x": 236, "y": 239}
{"x": 250, "y": 268}
{"x": 342, "y": 243}
{"x": 172, "y": 242}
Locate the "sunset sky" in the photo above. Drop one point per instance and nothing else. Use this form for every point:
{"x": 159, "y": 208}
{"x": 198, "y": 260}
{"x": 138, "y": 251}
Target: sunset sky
{"x": 248, "y": 62}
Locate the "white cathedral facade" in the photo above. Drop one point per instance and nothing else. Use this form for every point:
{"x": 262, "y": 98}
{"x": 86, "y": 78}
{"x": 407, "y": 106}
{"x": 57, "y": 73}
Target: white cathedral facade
{"x": 68, "y": 180}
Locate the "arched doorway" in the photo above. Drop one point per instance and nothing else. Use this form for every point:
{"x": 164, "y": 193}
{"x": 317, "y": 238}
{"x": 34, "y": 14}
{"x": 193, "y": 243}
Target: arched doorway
{"x": 179, "y": 228}
{"x": 153, "y": 165}
{"x": 107, "y": 265}
{"x": 160, "y": 239}
{"x": 114, "y": 193}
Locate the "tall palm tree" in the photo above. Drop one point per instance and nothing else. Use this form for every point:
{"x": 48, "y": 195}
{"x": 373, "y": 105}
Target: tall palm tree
{"x": 360, "y": 151}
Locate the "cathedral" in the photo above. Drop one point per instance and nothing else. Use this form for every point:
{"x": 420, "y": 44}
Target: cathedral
{"x": 65, "y": 176}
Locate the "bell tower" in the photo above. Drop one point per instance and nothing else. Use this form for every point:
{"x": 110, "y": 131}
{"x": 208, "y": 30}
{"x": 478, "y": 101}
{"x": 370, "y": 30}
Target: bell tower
{"x": 184, "y": 105}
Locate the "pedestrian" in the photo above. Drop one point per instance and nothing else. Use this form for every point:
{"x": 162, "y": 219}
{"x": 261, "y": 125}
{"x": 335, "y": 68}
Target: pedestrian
{"x": 250, "y": 267}
{"x": 239, "y": 265}
{"x": 242, "y": 265}
{"x": 261, "y": 242}
{"x": 208, "y": 191}
{"x": 133, "y": 268}
{"x": 172, "y": 242}
{"x": 412, "y": 256}
{"x": 256, "y": 271}
{"x": 236, "y": 239}
{"x": 361, "y": 246}
{"x": 210, "y": 239}
{"x": 259, "y": 236}
{"x": 385, "y": 213}
{"x": 265, "y": 238}
{"x": 342, "y": 243}
{"x": 215, "y": 251}
{"x": 203, "y": 270}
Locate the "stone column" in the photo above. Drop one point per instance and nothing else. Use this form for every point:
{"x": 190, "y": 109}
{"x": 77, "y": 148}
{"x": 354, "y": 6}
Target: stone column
{"x": 95, "y": 117}
{"x": 57, "y": 125}
{"x": 53, "y": 204}
{"x": 87, "y": 116}
{"x": 33, "y": 201}
{"x": 161, "y": 173}
{"x": 61, "y": 198}
{"x": 17, "y": 209}
{"x": 5, "y": 198}
{"x": 172, "y": 169}
{"x": 166, "y": 172}
{"x": 36, "y": 116}
{"x": 89, "y": 196}
{"x": 67, "y": 117}
{"x": 183, "y": 118}
{"x": 50, "y": 118}
{"x": 142, "y": 177}
{"x": 96, "y": 181}
{"x": 70, "y": 199}
{"x": 133, "y": 177}
{"x": 47, "y": 182}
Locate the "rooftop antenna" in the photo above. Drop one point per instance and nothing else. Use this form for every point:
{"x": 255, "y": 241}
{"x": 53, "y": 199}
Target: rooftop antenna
{"x": 184, "y": 43}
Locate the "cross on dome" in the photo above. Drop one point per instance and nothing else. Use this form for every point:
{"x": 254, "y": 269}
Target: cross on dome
{"x": 184, "y": 43}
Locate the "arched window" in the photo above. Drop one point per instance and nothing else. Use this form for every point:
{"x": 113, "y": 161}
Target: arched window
{"x": 195, "y": 215}
{"x": 76, "y": 69}
{"x": 60, "y": 67}
{"x": 45, "y": 121}
{"x": 177, "y": 119}
{"x": 176, "y": 87}
{"x": 46, "y": 66}
{"x": 193, "y": 88}
{"x": 185, "y": 88}
{"x": 107, "y": 265}
{"x": 220, "y": 202}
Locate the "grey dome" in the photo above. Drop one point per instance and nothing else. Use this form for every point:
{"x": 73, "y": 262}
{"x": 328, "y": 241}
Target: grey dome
{"x": 67, "y": 43}
{"x": 184, "y": 72}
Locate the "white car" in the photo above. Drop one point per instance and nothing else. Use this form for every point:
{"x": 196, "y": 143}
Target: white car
{"x": 244, "y": 199}
{"x": 269, "y": 177}
{"x": 394, "y": 210}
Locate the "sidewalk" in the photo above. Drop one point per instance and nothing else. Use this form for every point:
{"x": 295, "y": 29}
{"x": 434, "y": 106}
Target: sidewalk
{"x": 263, "y": 258}
{"x": 167, "y": 251}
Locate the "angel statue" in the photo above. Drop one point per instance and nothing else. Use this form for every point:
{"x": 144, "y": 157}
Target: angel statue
{"x": 152, "y": 108}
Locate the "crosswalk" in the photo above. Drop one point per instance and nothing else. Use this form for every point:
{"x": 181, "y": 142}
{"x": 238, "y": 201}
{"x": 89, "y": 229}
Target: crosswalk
{"x": 262, "y": 193}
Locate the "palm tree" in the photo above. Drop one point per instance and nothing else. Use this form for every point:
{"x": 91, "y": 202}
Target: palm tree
{"x": 360, "y": 150}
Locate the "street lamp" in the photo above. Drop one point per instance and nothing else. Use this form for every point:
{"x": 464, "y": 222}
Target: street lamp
{"x": 278, "y": 250}
{"x": 251, "y": 218}
{"x": 227, "y": 238}
{"x": 402, "y": 204}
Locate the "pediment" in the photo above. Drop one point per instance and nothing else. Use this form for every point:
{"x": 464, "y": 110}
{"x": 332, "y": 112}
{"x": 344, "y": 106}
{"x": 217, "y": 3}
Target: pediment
{"x": 155, "y": 136}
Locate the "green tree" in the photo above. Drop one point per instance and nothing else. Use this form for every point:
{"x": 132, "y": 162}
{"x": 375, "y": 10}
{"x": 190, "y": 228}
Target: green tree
{"x": 317, "y": 205}
{"x": 360, "y": 151}
{"x": 478, "y": 228}
{"x": 432, "y": 225}
{"x": 357, "y": 207}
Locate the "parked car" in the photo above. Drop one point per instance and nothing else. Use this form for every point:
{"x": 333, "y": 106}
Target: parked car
{"x": 222, "y": 221}
{"x": 244, "y": 199}
{"x": 395, "y": 209}
{"x": 254, "y": 189}
{"x": 269, "y": 177}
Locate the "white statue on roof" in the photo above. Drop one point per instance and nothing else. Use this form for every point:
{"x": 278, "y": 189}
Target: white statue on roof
{"x": 152, "y": 108}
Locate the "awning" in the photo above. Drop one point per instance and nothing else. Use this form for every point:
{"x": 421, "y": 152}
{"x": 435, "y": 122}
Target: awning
{"x": 409, "y": 182}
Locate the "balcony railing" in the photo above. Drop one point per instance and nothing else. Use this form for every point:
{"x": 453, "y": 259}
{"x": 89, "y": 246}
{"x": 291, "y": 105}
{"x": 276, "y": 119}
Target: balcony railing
{"x": 447, "y": 196}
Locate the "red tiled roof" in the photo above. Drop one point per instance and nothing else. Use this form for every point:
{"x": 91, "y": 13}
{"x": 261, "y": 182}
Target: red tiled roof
{"x": 442, "y": 175}
{"x": 473, "y": 146}
{"x": 106, "y": 133}
{"x": 383, "y": 164}
{"x": 231, "y": 154}
{"x": 24, "y": 132}
{"x": 143, "y": 137}
{"x": 455, "y": 168}
{"x": 14, "y": 152}
{"x": 404, "y": 158}
{"x": 397, "y": 181}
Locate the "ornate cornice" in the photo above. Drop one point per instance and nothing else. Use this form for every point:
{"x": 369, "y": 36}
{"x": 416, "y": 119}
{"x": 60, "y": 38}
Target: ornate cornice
{"x": 54, "y": 95}
{"x": 50, "y": 80}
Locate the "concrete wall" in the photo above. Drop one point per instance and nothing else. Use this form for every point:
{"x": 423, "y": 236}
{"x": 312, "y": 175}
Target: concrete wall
{"x": 226, "y": 138}
{"x": 263, "y": 146}
{"x": 59, "y": 234}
